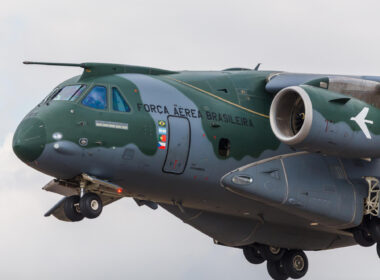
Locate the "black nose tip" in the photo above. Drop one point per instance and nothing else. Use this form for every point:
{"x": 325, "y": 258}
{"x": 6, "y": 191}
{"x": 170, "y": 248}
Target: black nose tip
{"x": 29, "y": 139}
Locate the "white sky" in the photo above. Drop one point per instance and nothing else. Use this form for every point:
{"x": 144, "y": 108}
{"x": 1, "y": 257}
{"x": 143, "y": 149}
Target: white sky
{"x": 128, "y": 241}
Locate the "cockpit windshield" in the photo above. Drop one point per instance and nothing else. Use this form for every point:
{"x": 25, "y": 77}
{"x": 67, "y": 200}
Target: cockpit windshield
{"x": 69, "y": 92}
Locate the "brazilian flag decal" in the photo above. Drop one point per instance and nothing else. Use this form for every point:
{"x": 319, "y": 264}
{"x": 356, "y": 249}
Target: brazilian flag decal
{"x": 162, "y": 123}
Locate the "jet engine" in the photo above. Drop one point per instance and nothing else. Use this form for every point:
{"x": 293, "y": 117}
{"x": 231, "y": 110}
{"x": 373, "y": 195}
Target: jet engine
{"x": 318, "y": 120}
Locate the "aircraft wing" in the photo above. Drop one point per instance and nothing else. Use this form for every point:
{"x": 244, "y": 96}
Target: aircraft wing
{"x": 107, "y": 191}
{"x": 279, "y": 81}
{"x": 338, "y": 83}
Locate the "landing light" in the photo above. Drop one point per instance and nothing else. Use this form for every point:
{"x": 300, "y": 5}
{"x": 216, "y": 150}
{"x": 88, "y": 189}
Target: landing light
{"x": 57, "y": 136}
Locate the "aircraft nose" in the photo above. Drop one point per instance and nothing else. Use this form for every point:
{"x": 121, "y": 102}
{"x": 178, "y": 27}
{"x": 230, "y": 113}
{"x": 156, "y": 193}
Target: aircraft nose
{"x": 29, "y": 139}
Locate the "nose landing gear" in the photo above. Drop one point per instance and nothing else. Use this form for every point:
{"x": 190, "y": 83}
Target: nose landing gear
{"x": 281, "y": 263}
{"x": 88, "y": 206}
{"x": 84, "y": 197}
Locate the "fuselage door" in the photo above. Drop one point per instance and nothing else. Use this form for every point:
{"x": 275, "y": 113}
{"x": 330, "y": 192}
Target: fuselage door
{"x": 178, "y": 145}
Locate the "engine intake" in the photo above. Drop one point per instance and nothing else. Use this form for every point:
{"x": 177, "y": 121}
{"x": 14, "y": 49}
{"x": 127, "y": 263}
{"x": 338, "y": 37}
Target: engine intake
{"x": 291, "y": 115}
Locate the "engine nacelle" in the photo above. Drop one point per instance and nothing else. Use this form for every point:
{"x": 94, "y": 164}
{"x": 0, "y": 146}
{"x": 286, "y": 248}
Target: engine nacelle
{"x": 318, "y": 120}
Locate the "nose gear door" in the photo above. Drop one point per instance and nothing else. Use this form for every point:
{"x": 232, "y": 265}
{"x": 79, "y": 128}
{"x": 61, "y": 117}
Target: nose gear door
{"x": 178, "y": 145}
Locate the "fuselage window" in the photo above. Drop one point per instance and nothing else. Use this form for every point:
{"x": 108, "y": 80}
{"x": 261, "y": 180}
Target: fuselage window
{"x": 118, "y": 102}
{"x": 69, "y": 92}
{"x": 96, "y": 98}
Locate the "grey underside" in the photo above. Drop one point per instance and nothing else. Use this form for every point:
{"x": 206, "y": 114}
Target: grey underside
{"x": 238, "y": 231}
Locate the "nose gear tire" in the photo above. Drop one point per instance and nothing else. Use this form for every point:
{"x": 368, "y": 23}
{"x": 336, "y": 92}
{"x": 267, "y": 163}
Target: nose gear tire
{"x": 91, "y": 205}
{"x": 71, "y": 208}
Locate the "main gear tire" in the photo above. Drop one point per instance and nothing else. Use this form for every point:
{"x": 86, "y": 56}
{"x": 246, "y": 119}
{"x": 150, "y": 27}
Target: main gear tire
{"x": 252, "y": 254}
{"x": 71, "y": 208}
{"x": 91, "y": 205}
{"x": 374, "y": 229}
{"x": 295, "y": 264}
{"x": 363, "y": 237}
{"x": 271, "y": 253}
{"x": 276, "y": 270}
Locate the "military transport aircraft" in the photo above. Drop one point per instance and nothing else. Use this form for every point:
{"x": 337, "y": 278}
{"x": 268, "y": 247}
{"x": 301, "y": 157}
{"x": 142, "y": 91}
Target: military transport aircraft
{"x": 271, "y": 162}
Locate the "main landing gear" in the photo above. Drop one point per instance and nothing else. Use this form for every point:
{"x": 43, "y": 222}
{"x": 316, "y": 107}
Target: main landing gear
{"x": 88, "y": 206}
{"x": 281, "y": 263}
{"x": 368, "y": 233}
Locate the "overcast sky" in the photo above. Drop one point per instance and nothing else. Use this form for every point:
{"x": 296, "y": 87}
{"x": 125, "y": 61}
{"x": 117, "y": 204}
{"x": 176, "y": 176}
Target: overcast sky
{"x": 128, "y": 242}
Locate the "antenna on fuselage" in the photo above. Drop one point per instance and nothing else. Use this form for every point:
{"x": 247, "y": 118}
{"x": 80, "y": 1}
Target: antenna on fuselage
{"x": 93, "y": 69}
{"x": 257, "y": 67}
{"x": 56, "y": 64}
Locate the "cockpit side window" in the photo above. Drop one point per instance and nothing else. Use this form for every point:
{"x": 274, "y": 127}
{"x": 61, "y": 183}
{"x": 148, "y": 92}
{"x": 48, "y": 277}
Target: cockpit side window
{"x": 78, "y": 93}
{"x": 118, "y": 102}
{"x": 96, "y": 98}
{"x": 50, "y": 95}
{"x": 69, "y": 92}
